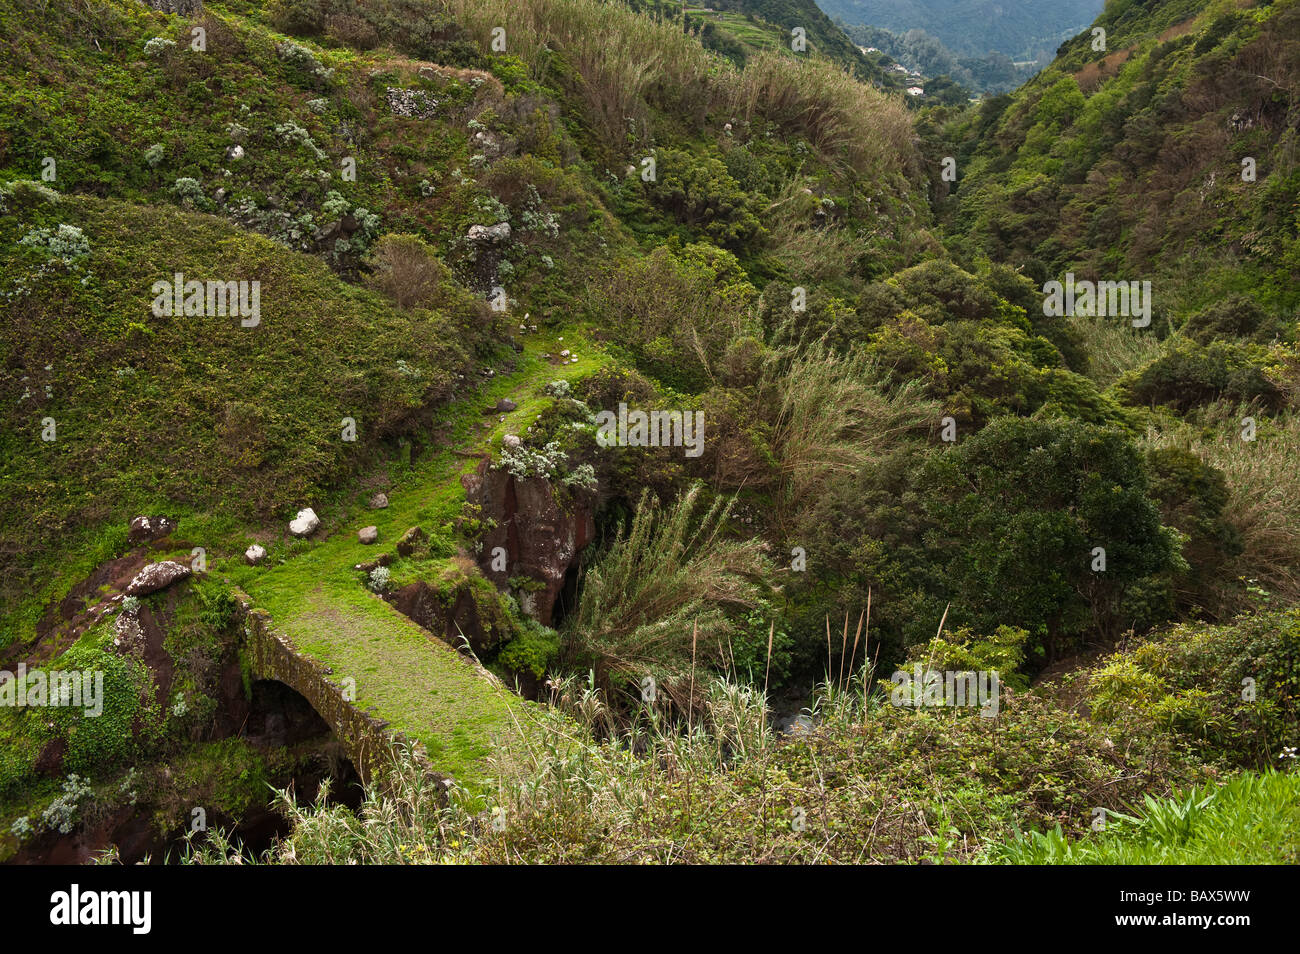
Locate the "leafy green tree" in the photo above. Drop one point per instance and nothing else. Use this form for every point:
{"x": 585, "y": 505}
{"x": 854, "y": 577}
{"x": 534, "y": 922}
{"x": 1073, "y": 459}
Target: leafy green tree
{"x": 1018, "y": 511}
{"x": 702, "y": 195}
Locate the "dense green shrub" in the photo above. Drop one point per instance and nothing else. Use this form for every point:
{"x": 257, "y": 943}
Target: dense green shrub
{"x": 1192, "y": 497}
{"x": 535, "y": 649}
{"x": 676, "y": 310}
{"x": 1190, "y": 375}
{"x": 1019, "y": 510}
{"x": 1236, "y": 316}
{"x": 700, "y": 193}
{"x": 964, "y": 651}
{"x": 1228, "y": 693}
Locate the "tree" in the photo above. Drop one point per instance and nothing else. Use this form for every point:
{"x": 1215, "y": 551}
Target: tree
{"x": 1018, "y": 513}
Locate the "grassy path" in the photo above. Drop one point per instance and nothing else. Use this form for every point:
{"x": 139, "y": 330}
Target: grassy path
{"x": 403, "y": 674}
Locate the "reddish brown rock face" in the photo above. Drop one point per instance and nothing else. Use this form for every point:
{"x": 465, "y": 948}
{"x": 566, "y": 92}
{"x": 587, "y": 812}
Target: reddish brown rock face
{"x": 453, "y": 617}
{"x": 541, "y": 539}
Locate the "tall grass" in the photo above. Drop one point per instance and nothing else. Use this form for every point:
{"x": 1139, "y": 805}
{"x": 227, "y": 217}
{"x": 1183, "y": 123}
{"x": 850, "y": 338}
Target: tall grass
{"x": 1263, "y": 479}
{"x": 813, "y": 254}
{"x": 830, "y": 417}
{"x": 623, "y": 65}
{"x": 1114, "y": 347}
{"x": 854, "y": 126}
{"x": 615, "y": 60}
{"x": 672, "y": 574}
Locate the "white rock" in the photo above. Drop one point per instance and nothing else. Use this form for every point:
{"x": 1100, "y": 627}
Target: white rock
{"x": 156, "y": 576}
{"x": 511, "y": 440}
{"x": 305, "y": 523}
{"x": 489, "y": 233}
{"x": 255, "y": 554}
{"x": 368, "y": 535}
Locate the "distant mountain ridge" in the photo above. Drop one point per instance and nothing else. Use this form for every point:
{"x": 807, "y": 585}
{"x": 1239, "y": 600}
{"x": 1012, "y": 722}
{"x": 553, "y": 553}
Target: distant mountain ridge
{"x": 1171, "y": 156}
{"x": 1022, "y": 29}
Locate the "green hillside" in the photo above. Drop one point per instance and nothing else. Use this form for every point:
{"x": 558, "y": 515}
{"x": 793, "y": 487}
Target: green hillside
{"x": 686, "y": 419}
{"x": 1169, "y": 154}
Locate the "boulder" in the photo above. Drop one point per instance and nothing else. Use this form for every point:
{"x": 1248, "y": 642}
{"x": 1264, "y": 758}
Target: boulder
{"x": 511, "y": 440}
{"x": 368, "y": 535}
{"x": 489, "y": 234}
{"x": 506, "y": 405}
{"x": 379, "y": 501}
{"x": 146, "y": 529}
{"x": 305, "y": 523}
{"x": 157, "y": 576}
{"x": 255, "y": 554}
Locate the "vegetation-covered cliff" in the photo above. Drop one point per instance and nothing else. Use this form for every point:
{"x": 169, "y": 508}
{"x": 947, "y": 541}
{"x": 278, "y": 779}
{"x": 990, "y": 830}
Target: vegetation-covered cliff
{"x": 615, "y": 402}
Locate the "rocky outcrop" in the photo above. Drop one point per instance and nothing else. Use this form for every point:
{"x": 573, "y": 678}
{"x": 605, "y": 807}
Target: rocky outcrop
{"x": 148, "y": 529}
{"x": 453, "y": 613}
{"x": 182, "y": 8}
{"x": 411, "y": 103}
{"x": 489, "y": 234}
{"x": 157, "y": 576}
{"x": 541, "y": 538}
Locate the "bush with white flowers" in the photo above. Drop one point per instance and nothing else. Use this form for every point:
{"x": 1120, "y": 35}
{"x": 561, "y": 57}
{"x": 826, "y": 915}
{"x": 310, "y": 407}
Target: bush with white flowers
{"x": 380, "y": 579}
{"x": 158, "y": 46}
{"x": 65, "y": 243}
{"x": 522, "y": 461}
